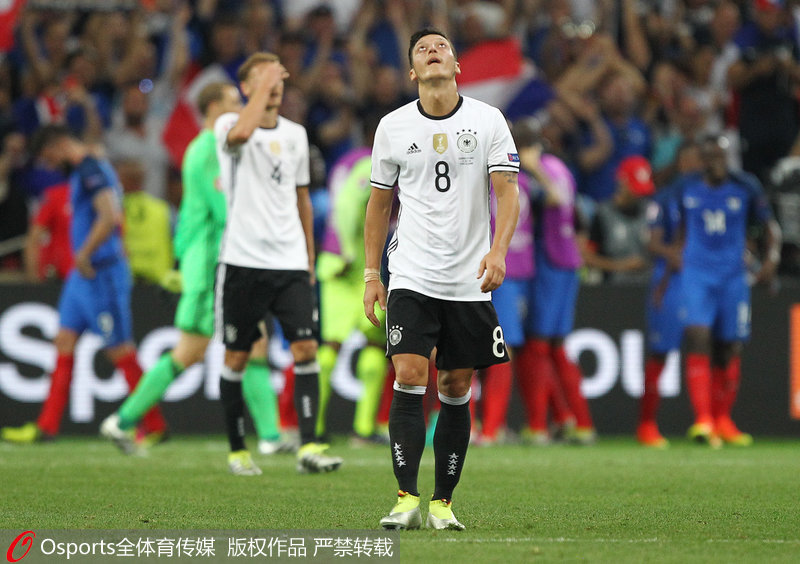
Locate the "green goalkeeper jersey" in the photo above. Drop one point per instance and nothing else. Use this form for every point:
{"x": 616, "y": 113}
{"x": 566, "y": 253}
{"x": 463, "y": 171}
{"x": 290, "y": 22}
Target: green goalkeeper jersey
{"x": 201, "y": 219}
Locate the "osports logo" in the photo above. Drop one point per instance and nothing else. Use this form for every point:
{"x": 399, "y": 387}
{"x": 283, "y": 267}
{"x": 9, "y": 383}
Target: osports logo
{"x": 27, "y": 542}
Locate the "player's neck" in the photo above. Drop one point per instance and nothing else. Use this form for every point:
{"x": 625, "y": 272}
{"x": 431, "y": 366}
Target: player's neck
{"x": 76, "y": 153}
{"x": 269, "y": 119}
{"x": 438, "y": 99}
{"x": 208, "y": 123}
{"x": 714, "y": 181}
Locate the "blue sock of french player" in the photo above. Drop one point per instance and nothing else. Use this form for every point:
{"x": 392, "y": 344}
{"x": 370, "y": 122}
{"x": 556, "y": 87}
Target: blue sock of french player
{"x": 407, "y": 434}
{"x": 306, "y": 399}
{"x": 450, "y": 442}
{"x": 230, "y": 392}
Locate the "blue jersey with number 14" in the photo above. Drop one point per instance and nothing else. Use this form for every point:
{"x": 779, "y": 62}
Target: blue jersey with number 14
{"x": 716, "y": 219}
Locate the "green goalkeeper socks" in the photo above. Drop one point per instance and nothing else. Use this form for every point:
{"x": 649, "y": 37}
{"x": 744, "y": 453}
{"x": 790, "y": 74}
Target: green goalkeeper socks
{"x": 326, "y": 356}
{"x": 261, "y": 399}
{"x": 371, "y": 370}
{"x": 149, "y": 391}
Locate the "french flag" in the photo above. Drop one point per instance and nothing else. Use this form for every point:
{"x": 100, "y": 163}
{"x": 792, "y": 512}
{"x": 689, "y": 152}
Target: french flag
{"x": 497, "y": 73}
{"x": 9, "y": 11}
{"x": 185, "y": 122}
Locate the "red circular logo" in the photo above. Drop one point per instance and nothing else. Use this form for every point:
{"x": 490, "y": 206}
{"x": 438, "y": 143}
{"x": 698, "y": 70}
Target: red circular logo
{"x": 27, "y": 542}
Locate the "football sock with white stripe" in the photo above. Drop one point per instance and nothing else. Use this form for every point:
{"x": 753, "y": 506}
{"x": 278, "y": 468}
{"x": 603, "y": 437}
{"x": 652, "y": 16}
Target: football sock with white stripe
{"x": 306, "y": 398}
{"x": 407, "y": 435}
{"x": 230, "y": 392}
{"x": 450, "y": 442}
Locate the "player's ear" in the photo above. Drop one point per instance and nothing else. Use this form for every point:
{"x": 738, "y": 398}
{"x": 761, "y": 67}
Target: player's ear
{"x": 412, "y": 75}
{"x": 458, "y": 67}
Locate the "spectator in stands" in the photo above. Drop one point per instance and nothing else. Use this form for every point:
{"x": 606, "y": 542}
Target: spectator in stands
{"x": 138, "y": 137}
{"x": 83, "y": 80}
{"x": 13, "y": 210}
{"x": 631, "y": 136}
{"x": 332, "y": 114}
{"x": 6, "y": 98}
{"x": 686, "y": 121}
{"x": 224, "y": 41}
{"x": 44, "y": 37}
{"x": 618, "y": 237}
{"x": 147, "y": 233}
{"x": 765, "y": 77}
{"x": 48, "y": 254}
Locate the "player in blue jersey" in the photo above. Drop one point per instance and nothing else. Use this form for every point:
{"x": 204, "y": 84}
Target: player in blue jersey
{"x": 664, "y": 308}
{"x": 717, "y": 209}
{"x": 96, "y": 294}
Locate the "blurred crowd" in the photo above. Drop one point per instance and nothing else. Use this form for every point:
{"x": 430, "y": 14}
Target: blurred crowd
{"x": 603, "y": 80}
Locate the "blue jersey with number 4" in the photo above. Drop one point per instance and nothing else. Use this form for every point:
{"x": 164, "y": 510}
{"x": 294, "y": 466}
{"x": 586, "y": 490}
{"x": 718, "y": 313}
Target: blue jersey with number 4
{"x": 716, "y": 219}
{"x": 91, "y": 177}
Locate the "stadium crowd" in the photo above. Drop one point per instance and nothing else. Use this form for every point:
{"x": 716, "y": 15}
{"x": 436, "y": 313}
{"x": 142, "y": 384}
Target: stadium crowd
{"x": 614, "y": 89}
{"x": 606, "y": 80}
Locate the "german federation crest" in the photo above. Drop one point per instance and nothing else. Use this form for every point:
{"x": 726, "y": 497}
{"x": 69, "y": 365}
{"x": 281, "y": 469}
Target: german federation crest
{"x": 440, "y": 142}
{"x": 395, "y": 335}
{"x": 466, "y": 141}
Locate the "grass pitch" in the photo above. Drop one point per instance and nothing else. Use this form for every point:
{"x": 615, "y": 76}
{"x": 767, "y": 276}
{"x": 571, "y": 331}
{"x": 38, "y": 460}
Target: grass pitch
{"x": 608, "y": 503}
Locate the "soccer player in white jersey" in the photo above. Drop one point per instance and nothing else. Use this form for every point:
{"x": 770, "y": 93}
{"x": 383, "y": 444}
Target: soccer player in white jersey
{"x": 441, "y": 151}
{"x": 266, "y": 260}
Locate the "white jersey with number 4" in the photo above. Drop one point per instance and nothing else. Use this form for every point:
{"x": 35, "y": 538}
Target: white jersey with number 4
{"x": 260, "y": 180}
{"x": 441, "y": 166}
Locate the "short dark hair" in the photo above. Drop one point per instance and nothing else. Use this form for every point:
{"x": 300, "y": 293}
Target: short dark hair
{"x": 210, "y": 93}
{"x": 527, "y": 132}
{"x": 422, "y": 33}
{"x": 47, "y": 135}
{"x": 253, "y": 60}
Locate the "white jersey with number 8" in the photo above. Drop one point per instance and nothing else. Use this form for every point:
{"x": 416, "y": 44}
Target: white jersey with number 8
{"x": 441, "y": 166}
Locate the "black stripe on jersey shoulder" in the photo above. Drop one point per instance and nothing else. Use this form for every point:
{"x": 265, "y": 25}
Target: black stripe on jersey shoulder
{"x": 506, "y": 167}
{"x": 427, "y": 115}
{"x": 381, "y": 183}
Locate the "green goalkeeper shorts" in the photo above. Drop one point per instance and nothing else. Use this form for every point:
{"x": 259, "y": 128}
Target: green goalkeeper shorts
{"x": 342, "y": 309}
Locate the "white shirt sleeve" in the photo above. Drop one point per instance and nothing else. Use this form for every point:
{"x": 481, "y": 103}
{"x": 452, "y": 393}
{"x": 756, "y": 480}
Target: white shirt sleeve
{"x": 303, "y": 174}
{"x": 222, "y": 126}
{"x": 502, "y": 152}
{"x": 384, "y": 170}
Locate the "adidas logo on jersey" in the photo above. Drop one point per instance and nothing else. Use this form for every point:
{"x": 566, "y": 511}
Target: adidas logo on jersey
{"x": 413, "y": 149}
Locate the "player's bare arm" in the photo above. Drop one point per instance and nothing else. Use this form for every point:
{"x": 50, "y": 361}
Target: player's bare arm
{"x": 109, "y": 216}
{"x": 31, "y": 252}
{"x": 530, "y": 159}
{"x": 376, "y": 228}
{"x": 493, "y": 265}
{"x": 772, "y": 244}
{"x": 263, "y": 80}
{"x": 671, "y": 252}
{"x": 307, "y": 220}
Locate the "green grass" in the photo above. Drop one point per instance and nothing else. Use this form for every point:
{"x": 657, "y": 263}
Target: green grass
{"x": 608, "y": 503}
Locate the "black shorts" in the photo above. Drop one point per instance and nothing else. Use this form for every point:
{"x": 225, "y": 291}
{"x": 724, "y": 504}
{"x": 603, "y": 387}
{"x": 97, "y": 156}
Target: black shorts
{"x": 465, "y": 334}
{"x": 250, "y": 295}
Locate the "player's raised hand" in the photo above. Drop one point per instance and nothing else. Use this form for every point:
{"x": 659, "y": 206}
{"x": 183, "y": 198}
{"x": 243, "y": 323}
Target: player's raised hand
{"x": 374, "y": 291}
{"x": 493, "y": 271}
{"x": 268, "y": 75}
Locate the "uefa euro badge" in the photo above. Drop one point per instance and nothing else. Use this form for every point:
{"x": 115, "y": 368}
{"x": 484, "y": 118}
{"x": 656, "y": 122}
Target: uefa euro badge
{"x": 275, "y": 147}
{"x": 440, "y": 142}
